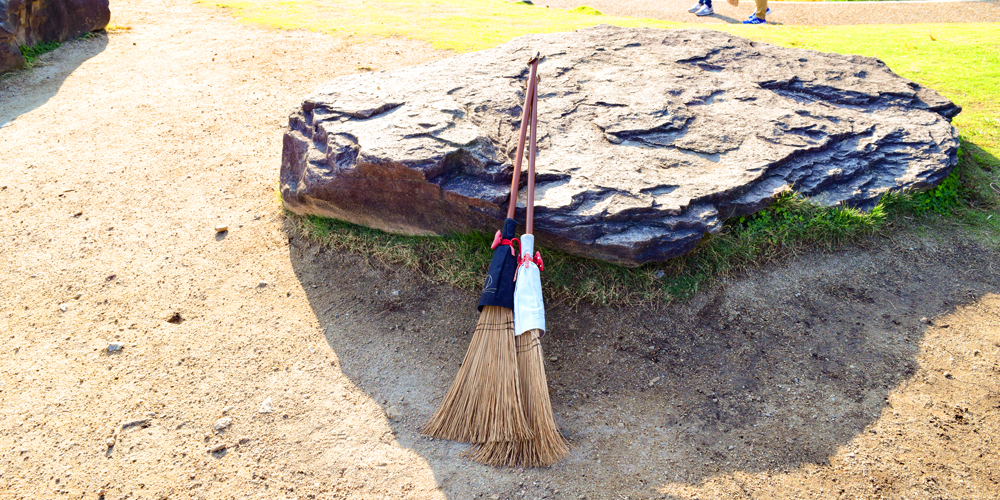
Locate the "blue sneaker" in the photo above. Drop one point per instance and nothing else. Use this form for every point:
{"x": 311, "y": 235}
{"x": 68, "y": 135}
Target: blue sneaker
{"x": 754, "y": 20}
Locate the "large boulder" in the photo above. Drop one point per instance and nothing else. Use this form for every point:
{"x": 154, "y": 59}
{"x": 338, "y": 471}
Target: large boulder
{"x": 30, "y": 22}
{"x": 647, "y": 139}
{"x": 10, "y": 22}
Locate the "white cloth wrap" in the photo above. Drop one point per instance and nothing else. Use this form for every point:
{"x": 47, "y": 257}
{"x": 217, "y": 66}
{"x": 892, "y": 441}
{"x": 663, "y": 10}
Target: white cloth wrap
{"x": 529, "y": 310}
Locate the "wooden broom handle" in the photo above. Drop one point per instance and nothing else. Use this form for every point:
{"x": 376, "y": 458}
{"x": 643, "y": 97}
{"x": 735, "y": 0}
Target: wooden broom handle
{"x": 529, "y": 225}
{"x": 525, "y": 117}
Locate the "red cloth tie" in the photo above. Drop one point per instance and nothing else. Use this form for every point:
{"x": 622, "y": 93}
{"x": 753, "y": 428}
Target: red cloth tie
{"x": 525, "y": 259}
{"x": 498, "y": 240}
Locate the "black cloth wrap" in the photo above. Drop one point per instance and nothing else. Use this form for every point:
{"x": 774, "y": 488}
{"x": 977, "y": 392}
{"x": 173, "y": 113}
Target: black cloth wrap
{"x": 499, "y": 287}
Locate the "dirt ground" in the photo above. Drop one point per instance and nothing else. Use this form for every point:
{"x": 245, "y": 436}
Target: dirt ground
{"x": 859, "y": 374}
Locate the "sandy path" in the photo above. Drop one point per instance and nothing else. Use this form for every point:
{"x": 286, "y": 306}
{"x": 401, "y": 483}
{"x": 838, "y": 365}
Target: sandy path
{"x": 122, "y": 156}
{"x": 119, "y": 156}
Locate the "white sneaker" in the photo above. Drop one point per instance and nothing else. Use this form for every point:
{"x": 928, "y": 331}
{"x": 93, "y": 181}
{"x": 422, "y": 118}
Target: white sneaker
{"x": 704, "y": 11}
{"x": 695, "y": 8}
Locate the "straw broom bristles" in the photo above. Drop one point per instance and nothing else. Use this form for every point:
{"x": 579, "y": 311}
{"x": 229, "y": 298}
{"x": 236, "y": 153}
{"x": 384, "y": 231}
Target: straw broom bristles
{"x": 547, "y": 446}
{"x": 484, "y": 402}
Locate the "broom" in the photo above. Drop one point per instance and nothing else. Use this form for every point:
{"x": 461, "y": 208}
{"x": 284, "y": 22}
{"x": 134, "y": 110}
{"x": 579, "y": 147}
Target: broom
{"x": 546, "y": 446}
{"x": 484, "y": 402}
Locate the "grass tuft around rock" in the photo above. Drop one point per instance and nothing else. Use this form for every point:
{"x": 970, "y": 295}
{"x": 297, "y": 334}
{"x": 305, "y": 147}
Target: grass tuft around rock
{"x": 31, "y": 53}
{"x": 791, "y": 226}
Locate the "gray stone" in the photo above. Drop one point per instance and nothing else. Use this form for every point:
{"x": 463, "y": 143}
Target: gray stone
{"x": 115, "y": 346}
{"x": 223, "y": 423}
{"x": 30, "y": 22}
{"x": 393, "y": 413}
{"x": 266, "y": 406}
{"x": 648, "y": 139}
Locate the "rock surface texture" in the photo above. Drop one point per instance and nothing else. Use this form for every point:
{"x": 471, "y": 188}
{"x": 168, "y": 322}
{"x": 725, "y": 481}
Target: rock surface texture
{"x": 30, "y": 22}
{"x": 647, "y": 139}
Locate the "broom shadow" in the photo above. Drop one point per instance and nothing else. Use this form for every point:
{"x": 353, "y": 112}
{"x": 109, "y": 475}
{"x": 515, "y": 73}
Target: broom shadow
{"x": 763, "y": 374}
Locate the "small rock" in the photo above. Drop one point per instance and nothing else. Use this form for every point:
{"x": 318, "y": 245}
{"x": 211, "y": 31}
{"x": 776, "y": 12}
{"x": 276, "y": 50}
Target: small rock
{"x": 116, "y": 346}
{"x": 227, "y": 410}
{"x": 554, "y": 358}
{"x": 395, "y": 292}
{"x": 221, "y": 228}
{"x": 143, "y": 423}
{"x": 262, "y": 284}
{"x": 392, "y": 412}
{"x": 63, "y": 307}
{"x": 947, "y": 375}
{"x": 110, "y": 442}
{"x": 222, "y": 423}
{"x": 217, "y": 448}
{"x": 266, "y": 406}
{"x": 925, "y": 320}
{"x": 659, "y": 274}
{"x": 654, "y": 381}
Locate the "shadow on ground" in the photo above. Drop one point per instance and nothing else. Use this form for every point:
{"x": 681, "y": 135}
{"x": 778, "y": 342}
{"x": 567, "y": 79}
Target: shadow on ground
{"x": 47, "y": 75}
{"x": 760, "y": 374}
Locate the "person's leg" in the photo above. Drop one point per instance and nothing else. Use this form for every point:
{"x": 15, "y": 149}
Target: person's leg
{"x": 761, "y": 9}
{"x": 708, "y": 3}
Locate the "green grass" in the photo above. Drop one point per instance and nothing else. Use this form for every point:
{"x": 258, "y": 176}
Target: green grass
{"x": 32, "y": 53}
{"x": 459, "y": 25}
{"x": 961, "y": 61}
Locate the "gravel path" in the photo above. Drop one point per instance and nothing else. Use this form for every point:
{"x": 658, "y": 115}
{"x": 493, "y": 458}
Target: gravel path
{"x": 810, "y": 13}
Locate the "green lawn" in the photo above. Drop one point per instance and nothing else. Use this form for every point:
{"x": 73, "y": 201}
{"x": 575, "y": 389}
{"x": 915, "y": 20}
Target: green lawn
{"x": 459, "y": 25}
{"x": 961, "y": 61}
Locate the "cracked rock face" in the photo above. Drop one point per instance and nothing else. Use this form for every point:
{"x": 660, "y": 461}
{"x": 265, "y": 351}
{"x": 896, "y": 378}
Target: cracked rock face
{"x": 647, "y": 139}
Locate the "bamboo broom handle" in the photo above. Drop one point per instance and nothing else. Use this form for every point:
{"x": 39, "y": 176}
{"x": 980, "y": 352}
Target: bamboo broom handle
{"x": 532, "y": 143}
{"x": 516, "y": 179}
